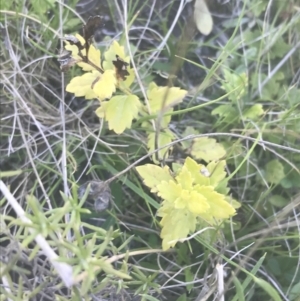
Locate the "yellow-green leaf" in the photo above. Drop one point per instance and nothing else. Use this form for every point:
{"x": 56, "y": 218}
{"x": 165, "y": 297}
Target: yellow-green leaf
{"x": 164, "y": 138}
{"x": 119, "y": 111}
{"x": 235, "y": 84}
{"x": 169, "y": 191}
{"x": 82, "y": 85}
{"x": 129, "y": 79}
{"x": 164, "y": 98}
{"x": 153, "y": 175}
{"x": 254, "y": 112}
{"x": 105, "y": 85}
{"x": 219, "y": 208}
{"x": 228, "y": 113}
{"x": 176, "y": 225}
{"x": 217, "y": 172}
{"x": 202, "y": 17}
{"x": 185, "y": 178}
{"x": 10, "y": 173}
{"x": 74, "y": 49}
{"x": 268, "y": 288}
{"x": 197, "y": 203}
{"x": 110, "y": 55}
{"x": 197, "y": 172}
{"x": 207, "y": 149}
{"x": 187, "y": 132}
{"x": 94, "y": 56}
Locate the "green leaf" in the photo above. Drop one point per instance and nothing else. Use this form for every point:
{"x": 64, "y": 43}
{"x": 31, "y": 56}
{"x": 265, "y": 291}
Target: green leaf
{"x": 278, "y": 201}
{"x": 119, "y": 111}
{"x": 71, "y": 23}
{"x": 295, "y": 292}
{"x": 207, "y": 149}
{"x": 274, "y": 172}
{"x": 258, "y": 7}
{"x": 271, "y": 88}
{"x": 279, "y": 49}
{"x": 291, "y": 180}
{"x": 254, "y": 112}
{"x": 189, "y": 277}
{"x": 40, "y": 7}
{"x": 235, "y": 83}
{"x": 227, "y": 113}
{"x": 10, "y": 173}
{"x": 182, "y": 298}
{"x": 147, "y": 297}
{"x": 153, "y": 175}
{"x": 239, "y": 289}
{"x": 268, "y": 288}
{"x": 293, "y": 95}
{"x": 187, "y": 132}
{"x": 250, "y": 275}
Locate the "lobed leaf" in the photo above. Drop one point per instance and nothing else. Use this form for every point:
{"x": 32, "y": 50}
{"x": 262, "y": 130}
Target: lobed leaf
{"x": 82, "y": 85}
{"x": 164, "y": 98}
{"x": 104, "y": 85}
{"x": 169, "y": 190}
{"x": 274, "y": 172}
{"x": 94, "y": 55}
{"x": 119, "y": 111}
{"x": 154, "y": 175}
{"x": 254, "y": 112}
{"x": 185, "y": 178}
{"x": 235, "y": 84}
{"x": 217, "y": 172}
{"x": 207, "y": 149}
{"x": 110, "y": 55}
{"x": 176, "y": 225}
{"x": 195, "y": 169}
{"x": 219, "y": 208}
{"x": 164, "y": 138}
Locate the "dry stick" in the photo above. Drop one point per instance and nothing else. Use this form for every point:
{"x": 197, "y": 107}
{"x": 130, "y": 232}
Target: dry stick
{"x": 260, "y": 142}
{"x": 64, "y": 270}
{"x": 183, "y": 42}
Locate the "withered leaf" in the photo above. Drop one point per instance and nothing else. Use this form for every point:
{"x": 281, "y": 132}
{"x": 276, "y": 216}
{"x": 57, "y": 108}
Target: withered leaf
{"x": 99, "y": 193}
{"x": 90, "y": 27}
{"x": 73, "y": 41}
{"x": 121, "y": 68}
{"x": 66, "y": 61}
